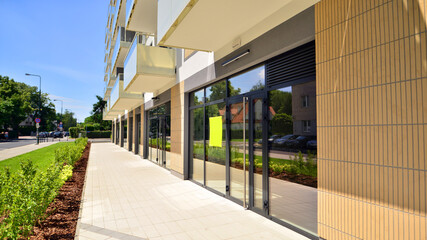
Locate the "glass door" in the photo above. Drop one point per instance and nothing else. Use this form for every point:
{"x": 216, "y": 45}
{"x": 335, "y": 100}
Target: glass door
{"x": 159, "y": 138}
{"x": 152, "y": 140}
{"x": 246, "y": 150}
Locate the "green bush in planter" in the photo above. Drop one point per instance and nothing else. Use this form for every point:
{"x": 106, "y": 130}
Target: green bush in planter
{"x": 74, "y": 132}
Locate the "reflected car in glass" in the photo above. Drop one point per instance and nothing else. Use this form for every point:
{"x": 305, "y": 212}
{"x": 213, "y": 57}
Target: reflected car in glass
{"x": 312, "y": 144}
{"x": 282, "y": 140}
{"x": 299, "y": 142}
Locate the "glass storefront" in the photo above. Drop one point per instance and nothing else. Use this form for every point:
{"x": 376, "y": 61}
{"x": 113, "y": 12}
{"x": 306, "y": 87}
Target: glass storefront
{"x": 159, "y": 138}
{"x": 255, "y": 144}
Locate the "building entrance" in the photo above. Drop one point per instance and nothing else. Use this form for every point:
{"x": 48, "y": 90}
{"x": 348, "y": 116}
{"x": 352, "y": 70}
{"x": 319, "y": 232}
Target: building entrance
{"x": 246, "y": 162}
{"x": 159, "y": 135}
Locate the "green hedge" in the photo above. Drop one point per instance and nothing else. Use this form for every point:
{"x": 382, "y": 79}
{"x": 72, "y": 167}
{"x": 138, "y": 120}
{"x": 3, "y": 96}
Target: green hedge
{"x": 26, "y": 194}
{"x": 74, "y": 132}
{"x": 238, "y": 134}
{"x": 99, "y": 134}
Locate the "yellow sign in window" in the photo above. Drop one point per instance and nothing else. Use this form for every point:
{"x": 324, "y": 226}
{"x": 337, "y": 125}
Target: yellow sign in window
{"x": 215, "y": 131}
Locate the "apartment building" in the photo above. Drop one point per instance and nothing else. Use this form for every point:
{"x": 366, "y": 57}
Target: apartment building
{"x": 311, "y": 113}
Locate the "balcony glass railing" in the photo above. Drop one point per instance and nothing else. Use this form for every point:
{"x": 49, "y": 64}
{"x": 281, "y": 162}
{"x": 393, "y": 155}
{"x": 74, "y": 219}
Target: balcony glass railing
{"x": 122, "y": 36}
{"x": 115, "y": 93}
{"x": 114, "y": 20}
{"x": 129, "y": 6}
{"x": 137, "y": 39}
{"x": 115, "y": 51}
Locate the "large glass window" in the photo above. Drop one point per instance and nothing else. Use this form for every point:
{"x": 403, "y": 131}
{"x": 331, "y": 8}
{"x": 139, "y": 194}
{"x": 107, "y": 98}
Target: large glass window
{"x": 215, "y": 147}
{"x": 197, "y": 145}
{"x": 216, "y": 91}
{"x": 292, "y": 155}
{"x": 249, "y": 81}
{"x": 197, "y": 98}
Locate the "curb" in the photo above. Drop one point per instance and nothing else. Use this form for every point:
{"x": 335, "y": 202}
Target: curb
{"x": 76, "y": 234}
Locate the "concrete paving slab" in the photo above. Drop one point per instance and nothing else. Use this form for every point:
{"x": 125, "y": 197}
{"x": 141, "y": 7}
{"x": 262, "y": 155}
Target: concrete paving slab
{"x": 126, "y": 197}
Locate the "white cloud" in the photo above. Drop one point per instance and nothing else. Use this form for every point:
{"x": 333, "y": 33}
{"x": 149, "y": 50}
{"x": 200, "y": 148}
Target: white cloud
{"x": 74, "y": 105}
{"x": 261, "y": 74}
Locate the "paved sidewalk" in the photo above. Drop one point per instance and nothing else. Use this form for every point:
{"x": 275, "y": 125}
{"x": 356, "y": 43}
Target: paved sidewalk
{"x": 12, "y": 152}
{"x": 126, "y": 197}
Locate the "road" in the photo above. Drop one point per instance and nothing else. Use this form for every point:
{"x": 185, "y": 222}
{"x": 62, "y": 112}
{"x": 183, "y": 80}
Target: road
{"x": 17, "y": 143}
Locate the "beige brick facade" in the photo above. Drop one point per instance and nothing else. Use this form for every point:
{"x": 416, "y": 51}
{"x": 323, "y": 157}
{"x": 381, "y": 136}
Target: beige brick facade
{"x": 372, "y": 115}
{"x": 177, "y": 128}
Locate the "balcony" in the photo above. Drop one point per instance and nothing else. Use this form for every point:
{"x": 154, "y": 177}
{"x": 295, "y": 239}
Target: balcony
{"x": 111, "y": 80}
{"x": 107, "y": 68}
{"x": 148, "y": 68}
{"x": 211, "y": 25}
{"x": 107, "y": 92}
{"x": 109, "y": 114}
{"x": 121, "y": 100}
{"x": 141, "y": 15}
{"x": 123, "y": 42}
{"x": 119, "y": 19}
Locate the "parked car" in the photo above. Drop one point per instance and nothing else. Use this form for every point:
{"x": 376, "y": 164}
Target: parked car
{"x": 282, "y": 140}
{"x": 66, "y": 134}
{"x": 51, "y": 133}
{"x": 58, "y": 134}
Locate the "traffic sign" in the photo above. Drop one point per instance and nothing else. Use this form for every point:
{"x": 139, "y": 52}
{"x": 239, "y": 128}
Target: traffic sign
{"x": 37, "y": 125}
{"x": 38, "y": 120}
{"x": 60, "y": 125}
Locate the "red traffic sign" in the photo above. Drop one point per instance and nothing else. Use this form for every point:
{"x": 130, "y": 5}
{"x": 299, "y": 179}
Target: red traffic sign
{"x": 38, "y": 120}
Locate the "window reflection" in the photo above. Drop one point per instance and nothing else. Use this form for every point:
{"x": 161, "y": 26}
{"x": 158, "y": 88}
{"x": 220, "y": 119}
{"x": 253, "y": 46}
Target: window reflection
{"x": 197, "y": 98}
{"x": 215, "y": 154}
{"x": 216, "y": 91}
{"x": 197, "y": 145}
{"x": 249, "y": 81}
{"x": 292, "y": 155}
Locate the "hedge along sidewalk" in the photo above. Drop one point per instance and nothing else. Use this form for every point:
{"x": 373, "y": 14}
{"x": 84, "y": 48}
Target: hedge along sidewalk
{"x": 42, "y": 156}
{"x": 26, "y": 192}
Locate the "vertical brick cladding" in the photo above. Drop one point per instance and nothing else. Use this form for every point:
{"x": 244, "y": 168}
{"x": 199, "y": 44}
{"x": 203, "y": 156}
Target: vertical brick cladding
{"x": 371, "y": 63}
{"x": 177, "y": 128}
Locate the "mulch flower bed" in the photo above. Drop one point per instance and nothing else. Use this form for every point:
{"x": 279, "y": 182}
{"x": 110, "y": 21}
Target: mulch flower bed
{"x": 296, "y": 178}
{"x": 63, "y": 212}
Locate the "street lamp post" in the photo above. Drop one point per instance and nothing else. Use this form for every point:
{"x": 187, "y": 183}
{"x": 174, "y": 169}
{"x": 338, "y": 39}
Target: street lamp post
{"x": 62, "y": 103}
{"x": 40, "y": 99}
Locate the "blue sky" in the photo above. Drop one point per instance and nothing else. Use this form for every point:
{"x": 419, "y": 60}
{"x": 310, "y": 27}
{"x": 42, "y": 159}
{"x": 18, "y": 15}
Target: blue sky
{"x": 63, "y": 41}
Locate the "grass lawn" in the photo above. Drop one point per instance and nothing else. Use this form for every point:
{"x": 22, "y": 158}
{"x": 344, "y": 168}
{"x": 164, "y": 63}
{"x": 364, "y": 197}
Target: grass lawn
{"x": 42, "y": 158}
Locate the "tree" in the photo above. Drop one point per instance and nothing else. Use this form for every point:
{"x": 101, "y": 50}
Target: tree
{"x": 97, "y": 115}
{"x": 282, "y": 124}
{"x": 258, "y": 86}
{"x": 218, "y": 91}
{"x": 15, "y": 103}
{"x": 281, "y": 101}
{"x": 68, "y": 119}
